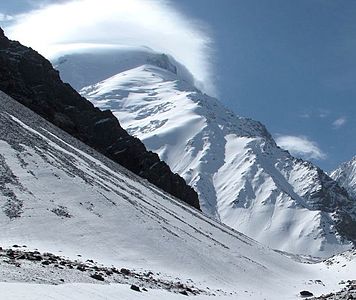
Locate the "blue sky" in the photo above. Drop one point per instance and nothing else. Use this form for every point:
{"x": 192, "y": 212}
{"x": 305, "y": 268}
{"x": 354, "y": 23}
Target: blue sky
{"x": 289, "y": 64}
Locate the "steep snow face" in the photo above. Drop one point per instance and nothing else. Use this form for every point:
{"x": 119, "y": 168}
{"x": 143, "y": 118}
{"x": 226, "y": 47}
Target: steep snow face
{"x": 345, "y": 175}
{"x": 242, "y": 177}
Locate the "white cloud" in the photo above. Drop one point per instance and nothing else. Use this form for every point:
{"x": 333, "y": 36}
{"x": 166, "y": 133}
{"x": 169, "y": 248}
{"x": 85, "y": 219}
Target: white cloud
{"x": 300, "y": 146}
{"x": 153, "y": 23}
{"x": 305, "y": 115}
{"x": 339, "y": 122}
{"x": 5, "y": 17}
{"x": 323, "y": 113}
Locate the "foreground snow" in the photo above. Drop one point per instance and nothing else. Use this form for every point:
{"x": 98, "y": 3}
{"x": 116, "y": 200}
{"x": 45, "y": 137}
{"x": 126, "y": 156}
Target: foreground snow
{"x": 59, "y": 196}
{"x": 80, "y": 291}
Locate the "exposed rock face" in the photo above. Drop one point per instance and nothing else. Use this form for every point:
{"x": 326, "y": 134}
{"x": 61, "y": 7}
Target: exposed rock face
{"x": 30, "y": 79}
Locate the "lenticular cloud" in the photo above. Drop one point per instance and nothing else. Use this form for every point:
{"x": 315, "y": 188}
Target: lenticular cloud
{"x": 64, "y": 27}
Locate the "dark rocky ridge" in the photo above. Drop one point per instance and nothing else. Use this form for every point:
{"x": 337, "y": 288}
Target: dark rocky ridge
{"x": 30, "y": 79}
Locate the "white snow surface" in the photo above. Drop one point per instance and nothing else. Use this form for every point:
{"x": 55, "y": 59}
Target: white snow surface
{"x": 57, "y": 195}
{"x": 345, "y": 175}
{"x": 242, "y": 177}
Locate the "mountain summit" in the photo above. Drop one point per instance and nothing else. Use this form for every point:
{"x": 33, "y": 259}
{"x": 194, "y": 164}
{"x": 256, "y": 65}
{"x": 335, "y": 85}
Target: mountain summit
{"x": 243, "y": 178}
{"x": 345, "y": 175}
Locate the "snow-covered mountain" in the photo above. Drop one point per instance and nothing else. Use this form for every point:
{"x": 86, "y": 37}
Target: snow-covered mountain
{"x": 86, "y": 68}
{"x": 242, "y": 177}
{"x": 59, "y": 196}
{"x": 345, "y": 175}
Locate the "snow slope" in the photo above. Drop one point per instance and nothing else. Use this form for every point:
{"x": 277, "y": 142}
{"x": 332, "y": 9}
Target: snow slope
{"x": 242, "y": 177}
{"x": 345, "y": 175}
{"x": 57, "y": 195}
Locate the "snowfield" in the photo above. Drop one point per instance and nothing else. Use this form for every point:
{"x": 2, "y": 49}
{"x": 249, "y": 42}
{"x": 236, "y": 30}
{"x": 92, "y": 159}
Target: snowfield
{"x": 243, "y": 179}
{"x": 59, "y": 196}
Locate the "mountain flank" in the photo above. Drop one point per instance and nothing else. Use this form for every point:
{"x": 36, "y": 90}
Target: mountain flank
{"x": 30, "y": 79}
{"x": 242, "y": 177}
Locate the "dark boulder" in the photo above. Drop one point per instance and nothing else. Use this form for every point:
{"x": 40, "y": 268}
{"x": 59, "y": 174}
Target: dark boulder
{"x": 81, "y": 268}
{"x": 35, "y": 257}
{"x": 97, "y": 277}
{"x": 183, "y": 293}
{"x": 135, "y": 288}
{"x": 125, "y": 271}
{"x": 30, "y": 79}
{"x": 10, "y": 253}
{"x": 306, "y": 294}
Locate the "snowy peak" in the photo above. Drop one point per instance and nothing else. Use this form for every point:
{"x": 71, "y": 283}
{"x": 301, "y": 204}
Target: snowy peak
{"x": 345, "y": 175}
{"x": 147, "y": 77}
{"x": 86, "y": 68}
{"x": 242, "y": 177}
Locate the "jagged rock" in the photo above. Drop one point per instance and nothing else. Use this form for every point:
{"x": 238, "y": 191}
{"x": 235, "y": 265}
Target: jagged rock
{"x": 30, "y": 79}
{"x": 4, "y": 42}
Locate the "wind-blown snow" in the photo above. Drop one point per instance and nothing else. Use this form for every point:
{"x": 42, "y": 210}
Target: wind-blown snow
{"x": 242, "y": 177}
